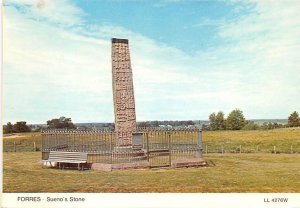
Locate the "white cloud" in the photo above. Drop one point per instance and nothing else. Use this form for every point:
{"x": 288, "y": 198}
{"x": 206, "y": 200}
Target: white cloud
{"x": 210, "y": 22}
{"x": 262, "y": 50}
{"x": 48, "y": 69}
{"x": 54, "y": 69}
{"x": 53, "y": 11}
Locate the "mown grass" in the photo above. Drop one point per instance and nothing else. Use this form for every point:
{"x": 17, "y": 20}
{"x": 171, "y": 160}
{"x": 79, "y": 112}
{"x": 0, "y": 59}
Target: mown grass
{"x": 226, "y": 173}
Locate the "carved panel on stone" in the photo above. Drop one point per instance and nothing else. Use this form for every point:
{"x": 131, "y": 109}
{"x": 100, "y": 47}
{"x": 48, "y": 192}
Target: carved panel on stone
{"x": 123, "y": 95}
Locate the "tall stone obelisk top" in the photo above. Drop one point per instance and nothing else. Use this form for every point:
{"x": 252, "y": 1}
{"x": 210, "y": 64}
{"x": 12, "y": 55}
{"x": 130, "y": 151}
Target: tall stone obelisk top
{"x": 123, "y": 94}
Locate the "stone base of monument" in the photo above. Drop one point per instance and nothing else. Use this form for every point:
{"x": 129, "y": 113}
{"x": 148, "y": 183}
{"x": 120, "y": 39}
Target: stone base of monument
{"x": 123, "y": 158}
{"x": 180, "y": 163}
{"x": 123, "y": 149}
{"x": 192, "y": 162}
{"x": 128, "y": 152}
{"x": 120, "y": 166}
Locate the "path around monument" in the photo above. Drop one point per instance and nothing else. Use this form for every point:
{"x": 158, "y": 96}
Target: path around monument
{"x": 226, "y": 173}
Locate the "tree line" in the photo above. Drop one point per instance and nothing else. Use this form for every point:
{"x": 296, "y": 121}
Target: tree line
{"x": 217, "y": 121}
{"x": 18, "y": 127}
{"x": 236, "y": 121}
{"x": 56, "y": 123}
{"x": 165, "y": 123}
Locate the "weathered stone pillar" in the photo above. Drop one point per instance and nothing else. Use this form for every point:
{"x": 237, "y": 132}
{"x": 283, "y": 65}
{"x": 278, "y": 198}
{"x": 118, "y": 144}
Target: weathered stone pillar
{"x": 123, "y": 95}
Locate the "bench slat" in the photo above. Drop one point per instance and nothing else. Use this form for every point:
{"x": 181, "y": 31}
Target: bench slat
{"x": 67, "y": 157}
{"x": 67, "y": 161}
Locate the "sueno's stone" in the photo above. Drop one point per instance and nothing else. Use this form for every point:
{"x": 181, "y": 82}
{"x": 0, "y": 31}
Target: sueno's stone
{"x": 123, "y": 94}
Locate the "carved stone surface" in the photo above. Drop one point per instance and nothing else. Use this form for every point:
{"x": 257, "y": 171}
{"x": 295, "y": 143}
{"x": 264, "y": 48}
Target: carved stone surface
{"x": 123, "y": 95}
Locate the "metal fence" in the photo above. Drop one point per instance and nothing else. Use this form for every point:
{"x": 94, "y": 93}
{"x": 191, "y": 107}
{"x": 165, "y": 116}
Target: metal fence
{"x": 250, "y": 149}
{"x": 157, "y": 146}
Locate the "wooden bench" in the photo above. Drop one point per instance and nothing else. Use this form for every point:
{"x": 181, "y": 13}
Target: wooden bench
{"x": 67, "y": 158}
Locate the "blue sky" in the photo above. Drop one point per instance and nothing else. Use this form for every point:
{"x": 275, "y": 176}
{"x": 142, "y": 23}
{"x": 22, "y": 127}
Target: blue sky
{"x": 189, "y": 58}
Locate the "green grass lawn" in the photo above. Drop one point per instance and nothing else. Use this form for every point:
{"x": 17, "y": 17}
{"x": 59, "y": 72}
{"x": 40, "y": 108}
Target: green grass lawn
{"x": 226, "y": 173}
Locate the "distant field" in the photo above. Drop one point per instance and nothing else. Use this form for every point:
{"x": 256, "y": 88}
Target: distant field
{"x": 263, "y": 140}
{"x": 226, "y": 173}
{"x": 24, "y": 142}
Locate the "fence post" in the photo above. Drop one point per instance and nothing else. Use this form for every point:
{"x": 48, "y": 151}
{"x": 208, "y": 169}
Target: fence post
{"x": 55, "y": 141}
{"x": 110, "y": 148}
{"x": 15, "y": 147}
{"x": 42, "y": 141}
{"x": 206, "y": 149}
{"x": 74, "y": 141}
{"x": 291, "y": 149}
{"x": 34, "y": 147}
{"x": 170, "y": 148}
{"x": 274, "y": 149}
{"x": 240, "y": 149}
{"x": 222, "y": 149}
{"x": 147, "y": 138}
{"x": 199, "y": 141}
{"x": 257, "y": 149}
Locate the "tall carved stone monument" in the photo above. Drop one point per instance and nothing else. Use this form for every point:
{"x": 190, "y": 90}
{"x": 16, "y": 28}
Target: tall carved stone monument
{"x": 123, "y": 95}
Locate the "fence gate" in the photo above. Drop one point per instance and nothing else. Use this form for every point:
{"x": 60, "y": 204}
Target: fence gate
{"x": 158, "y": 149}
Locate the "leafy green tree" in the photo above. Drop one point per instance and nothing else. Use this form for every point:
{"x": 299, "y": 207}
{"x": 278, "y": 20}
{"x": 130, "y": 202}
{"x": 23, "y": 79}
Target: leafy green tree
{"x": 251, "y": 126}
{"x": 235, "y": 120}
{"x": 212, "y": 122}
{"x": 144, "y": 124}
{"x": 190, "y": 123}
{"x": 293, "y": 119}
{"x": 267, "y": 125}
{"x": 217, "y": 121}
{"x": 155, "y": 123}
{"x": 8, "y": 128}
{"x": 60, "y": 123}
{"x": 21, "y": 126}
{"x": 220, "y": 121}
